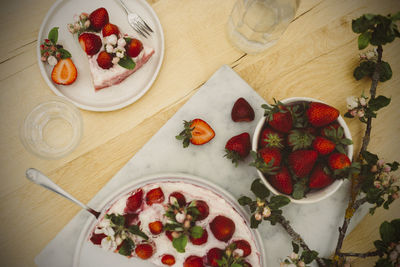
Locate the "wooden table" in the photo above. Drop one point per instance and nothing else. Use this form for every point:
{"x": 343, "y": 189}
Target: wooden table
{"x": 315, "y": 57}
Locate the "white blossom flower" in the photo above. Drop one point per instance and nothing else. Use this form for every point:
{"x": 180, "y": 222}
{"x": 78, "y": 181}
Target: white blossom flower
{"x": 109, "y": 48}
{"x": 360, "y": 113}
{"x": 266, "y": 212}
{"x": 258, "y": 216}
{"x": 380, "y": 163}
{"x": 77, "y": 26}
{"x": 363, "y": 101}
{"x": 118, "y": 240}
{"x": 301, "y": 264}
{"x": 52, "y": 60}
{"x": 112, "y": 39}
{"x": 115, "y": 60}
{"x": 121, "y": 42}
{"x": 108, "y": 243}
{"x": 180, "y": 217}
{"x": 294, "y": 256}
{"x": 386, "y": 168}
{"x": 351, "y": 102}
{"x": 71, "y": 28}
{"x": 87, "y": 24}
{"x": 238, "y": 253}
{"x": 119, "y": 54}
{"x": 370, "y": 54}
{"x": 377, "y": 184}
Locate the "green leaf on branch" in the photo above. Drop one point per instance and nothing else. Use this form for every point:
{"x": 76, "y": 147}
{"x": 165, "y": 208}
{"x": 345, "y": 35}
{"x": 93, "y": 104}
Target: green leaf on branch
{"x": 243, "y": 201}
{"x": 385, "y": 72}
{"x": 135, "y": 229}
{"x": 393, "y": 166}
{"x": 377, "y": 103}
{"x": 296, "y": 247}
{"x": 395, "y": 16}
{"x": 259, "y": 189}
{"x": 380, "y": 245}
{"x": 309, "y": 256}
{"x": 387, "y": 232}
{"x": 127, "y": 63}
{"x": 363, "y": 40}
{"x": 276, "y": 202}
{"x": 366, "y": 68}
{"x": 370, "y": 158}
{"x": 253, "y": 222}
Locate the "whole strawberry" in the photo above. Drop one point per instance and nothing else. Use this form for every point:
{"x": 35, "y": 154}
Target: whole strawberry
{"x": 238, "y": 147}
{"x": 338, "y": 161}
{"x": 320, "y": 177}
{"x": 98, "y": 18}
{"x": 271, "y": 138}
{"x": 323, "y": 146}
{"x": 320, "y": 114}
{"x": 282, "y": 181}
{"x": 279, "y": 117}
{"x": 302, "y": 161}
{"x": 242, "y": 111}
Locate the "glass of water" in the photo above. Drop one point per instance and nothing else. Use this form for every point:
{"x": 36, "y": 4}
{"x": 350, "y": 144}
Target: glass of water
{"x": 52, "y": 129}
{"x": 255, "y": 25}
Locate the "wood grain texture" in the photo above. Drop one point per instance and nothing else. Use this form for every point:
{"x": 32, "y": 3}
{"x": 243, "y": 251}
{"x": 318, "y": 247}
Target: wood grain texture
{"x": 315, "y": 57}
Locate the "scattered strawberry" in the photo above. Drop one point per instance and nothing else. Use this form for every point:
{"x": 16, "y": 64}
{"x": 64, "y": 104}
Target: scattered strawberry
{"x": 90, "y": 43}
{"x": 110, "y": 29}
{"x": 144, "y": 251}
{"x": 156, "y": 227}
{"x": 299, "y": 139}
{"x": 338, "y": 161}
{"x": 134, "y": 202}
{"x": 238, "y": 147}
{"x": 193, "y": 261}
{"x": 222, "y": 228}
{"x": 282, "y": 181}
{"x": 302, "y": 161}
{"x": 279, "y": 117}
{"x": 197, "y": 132}
{"x": 271, "y": 138}
{"x": 180, "y": 198}
{"x": 213, "y": 256}
{"x": 201, "y": 240}
{"x": 320, "y": 114}
{"x": 271, "y": 156}
{"x": 168, "y": 259}
{"x": 319, "y": 178}
{"x": 133, "y": 47}
{"x": 243, "y": 245}
{"x": 131, "y": 219}
{"x": 98, "y": 18}
{"x": 203, "y": 209}
{"x": 242, "y": 111}
{"x": 96, "y": 238}
{"x": 154, "y": 196}
{"x": 323, "y": 146}
{"x": 104, "y": 60}
{"x": 64, "y": 72}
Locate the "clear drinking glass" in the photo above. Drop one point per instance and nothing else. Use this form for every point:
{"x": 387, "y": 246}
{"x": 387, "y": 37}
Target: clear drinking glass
{"x": 255, "y": 25}
{"x": 52, "y": 129}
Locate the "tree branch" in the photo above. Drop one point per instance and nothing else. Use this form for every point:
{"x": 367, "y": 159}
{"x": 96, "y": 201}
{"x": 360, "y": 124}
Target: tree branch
{"x": 360, "y": 255}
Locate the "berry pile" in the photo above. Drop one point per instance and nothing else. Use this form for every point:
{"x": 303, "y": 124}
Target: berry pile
{"x": 301, "y": 147}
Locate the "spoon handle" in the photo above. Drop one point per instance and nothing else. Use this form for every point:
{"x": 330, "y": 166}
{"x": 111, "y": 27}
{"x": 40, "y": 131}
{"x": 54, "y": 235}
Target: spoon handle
{"x": 39, "y": 178}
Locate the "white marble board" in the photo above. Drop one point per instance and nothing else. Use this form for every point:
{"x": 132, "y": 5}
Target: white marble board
{"x": 317, "y": 223}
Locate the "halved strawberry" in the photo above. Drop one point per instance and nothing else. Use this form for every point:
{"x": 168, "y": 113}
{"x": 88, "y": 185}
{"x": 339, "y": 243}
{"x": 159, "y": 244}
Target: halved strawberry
{"x": 323, "y": 146}
{"x": 282, "y": 181}
{"x": 104, "y": 60}
{"x": 338, "y": 161}
{"x": 238, "y": 147}
{"x": 320, "y": 114}
{"x": 90, "y": 43}
{"x": 302, "y": 161}
{"x": 168, "y": 259}
{"x": 243, "y": 245}
{"x": 242, "y": 111}
{"x": 180, "y": 198}
{"x": 197, "y": 132}
{"x": 133, "y": 47}
{"x": 110, "y": 29}
{"x": 271, "y": 138}
{"x": 64, "y": 72}
{"x": 98, "y": 18}
{"x": 131, "y": 219}
{"x": 144, "y": 251}
{"x": 222, "y": 228}
{"x": 134, "y": 202}
{"x": 193, "y": 261}
{"x": 201, "y": 240}
{"x": 96, "y": 238}
{"x": 156, "y": 227}
{"x": 279, "y": 117}
{"x": 213, "y": 256}
{"x": 155, "y": 195}
{"x": 319, "y": 177}
{"x": 203, "y": 209}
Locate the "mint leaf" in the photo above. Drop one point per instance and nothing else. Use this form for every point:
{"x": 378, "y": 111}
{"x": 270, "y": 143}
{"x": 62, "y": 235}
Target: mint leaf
{"x": 243, "y": 201}
{"x": 127, "y": 247}
{"x": 180, "y": 243}
{"x": 53, "y": 35}
{"x": 259, "y": 189}
{"x": 127, "y": 63}
{"x": 134, "y": 229}
{"x": 64, "y": 53}
{"x": 363, "y": 40}
{"x": 196, "y": 232}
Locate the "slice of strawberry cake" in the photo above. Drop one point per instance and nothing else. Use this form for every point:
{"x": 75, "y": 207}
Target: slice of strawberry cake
{"x": 112, "y": 56}
{"x": 172, "y": 223}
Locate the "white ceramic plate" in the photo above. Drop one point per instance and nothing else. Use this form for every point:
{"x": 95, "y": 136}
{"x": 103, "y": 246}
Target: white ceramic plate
{"x": 81, "y": 92}
{"x": 88, "y": 255}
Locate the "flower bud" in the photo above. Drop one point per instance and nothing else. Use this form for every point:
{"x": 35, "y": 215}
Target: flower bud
{"x": 380, "y": 163}
{"x": 43, "y": 58}
{"x": 186, "y": 224}
{"x": 294, "y": 256}
{"x": 237, "y": 253}
{"x": 266, "y": 212}
{"x": 71, "y": 28}
{"x": 83, "y": 16}
{"x": 352, "y": 102}
{"x": 386, "y": 168}
{"x": 260, "y": 203}
{"x": 175, "y": 234}
{"x": 228, "y": 252}
{"x": 52, "y": 60}
{"x": 77, "y": 27}
{"x": 109, "y": 49}
{"x": 189, "y": 217}
{"x": 258, "y": 216}
{"x": 377, "y": 184}
{"x": 121, "y": 42}
{"x": 112, "y": 39}
{"x": 301, "y": 264}
{"x": 363, "y": 101}
{"x": 180, "y": 217}
{"x": 115, "y": 60}
{"x": 374, "y": 168}
{"x": 360, "y": 113}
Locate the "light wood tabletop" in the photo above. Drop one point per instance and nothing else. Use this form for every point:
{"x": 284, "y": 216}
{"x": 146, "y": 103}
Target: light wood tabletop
{"x": 315, "y": 57}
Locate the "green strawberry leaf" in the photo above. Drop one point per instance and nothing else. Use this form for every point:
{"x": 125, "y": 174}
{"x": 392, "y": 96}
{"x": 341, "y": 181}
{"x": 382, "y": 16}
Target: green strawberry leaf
{"x": 363, "y": 40}
{"x": 116, "y": 220}
{"x": 370, "y": 158}
{"x": 180, "y": 243}
{"x": 53, "y": 35}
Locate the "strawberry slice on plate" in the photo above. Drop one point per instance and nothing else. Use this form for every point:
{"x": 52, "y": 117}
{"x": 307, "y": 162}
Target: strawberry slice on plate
{"x": 110, "y": 29}
{"x": 168, "y": 259}
{"x": 98, "y": 18}
{"x": 197, "y": 132}
{"x": 64, "y": 72}
{"x": 222, "y": 228}
{"x": 90, "y": 43}
{"x": 154, "y": 196}
{"x": 193, "y": 261}
{"x": 144, "y": 251}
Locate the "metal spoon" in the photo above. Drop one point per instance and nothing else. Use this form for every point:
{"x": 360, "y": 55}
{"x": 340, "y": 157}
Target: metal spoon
{"x": 39, "y": 178}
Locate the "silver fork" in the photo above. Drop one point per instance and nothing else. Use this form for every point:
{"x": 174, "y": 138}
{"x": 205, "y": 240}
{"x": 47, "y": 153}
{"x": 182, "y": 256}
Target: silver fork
{"x": 137, "y": 23}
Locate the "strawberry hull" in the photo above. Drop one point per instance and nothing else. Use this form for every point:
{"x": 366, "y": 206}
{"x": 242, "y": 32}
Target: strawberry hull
{"x": 313, "y": 195}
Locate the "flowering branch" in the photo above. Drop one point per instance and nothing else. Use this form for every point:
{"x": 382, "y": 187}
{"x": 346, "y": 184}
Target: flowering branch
{"x": 361, "y": 255}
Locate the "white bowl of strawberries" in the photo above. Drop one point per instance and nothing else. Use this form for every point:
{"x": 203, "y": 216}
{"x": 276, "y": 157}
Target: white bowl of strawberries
{"x": 303, "y": 145}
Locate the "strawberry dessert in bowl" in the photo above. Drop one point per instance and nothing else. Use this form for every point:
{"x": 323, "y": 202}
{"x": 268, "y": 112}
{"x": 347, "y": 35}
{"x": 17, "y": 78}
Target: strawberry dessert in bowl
{"x": 171, "y": 220}
{"x": 304, "y": 147}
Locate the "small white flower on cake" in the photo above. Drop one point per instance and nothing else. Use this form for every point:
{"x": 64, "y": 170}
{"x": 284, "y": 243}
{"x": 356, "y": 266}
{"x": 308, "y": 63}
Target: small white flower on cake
{"x": 180, "y": 217}
{"x": 115, "y": 60}
{"x": 109, "y": 48}
{"x": 112, "y": 39}
{"x": 119, "y": 54}
{"x": 52, "y": 60}
{"x": 238, "y": 253}
{"x": 121, "y": 42}
{"x": 108, "y": 243}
